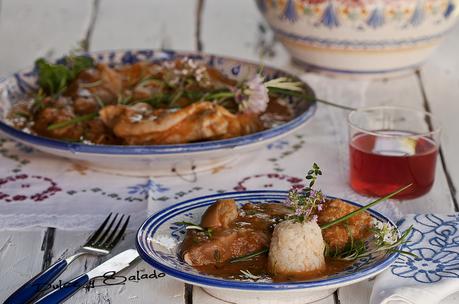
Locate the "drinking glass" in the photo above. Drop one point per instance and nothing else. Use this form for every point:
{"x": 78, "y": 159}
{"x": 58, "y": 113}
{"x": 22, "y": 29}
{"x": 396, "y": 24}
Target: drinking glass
{"x": 391, "y": 147}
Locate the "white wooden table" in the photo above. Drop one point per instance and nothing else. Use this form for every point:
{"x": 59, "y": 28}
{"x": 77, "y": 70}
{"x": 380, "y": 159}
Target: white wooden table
{"x": 50, "y": 28}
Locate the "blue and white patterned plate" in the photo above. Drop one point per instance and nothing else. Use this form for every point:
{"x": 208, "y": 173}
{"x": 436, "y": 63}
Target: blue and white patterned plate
{"x": 158, "y": 242}
{"x": 155, "y": 159}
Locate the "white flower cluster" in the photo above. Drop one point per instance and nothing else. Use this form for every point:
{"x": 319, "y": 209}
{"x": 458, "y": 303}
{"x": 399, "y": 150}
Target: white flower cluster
{"x": 186, "y": 68}
{"x": 385, "y": 233}
{"x": 254, "y": 97}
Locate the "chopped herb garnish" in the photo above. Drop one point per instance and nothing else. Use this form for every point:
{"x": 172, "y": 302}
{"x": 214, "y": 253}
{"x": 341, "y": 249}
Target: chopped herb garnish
{"x": 38, "y": 101}
{"x": 124, "y": 99}
{"x": 53, "y": 79}
{"x": 22, "y": 114}
{"x": 191, "y": 226}
{"x": 358, "y": 249}
{"x": 73, "y": 121}
{"x": 249, "y": 256}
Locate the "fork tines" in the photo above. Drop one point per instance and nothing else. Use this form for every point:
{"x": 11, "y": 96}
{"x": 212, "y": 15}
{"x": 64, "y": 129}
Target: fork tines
{"x": 106, "y": 237}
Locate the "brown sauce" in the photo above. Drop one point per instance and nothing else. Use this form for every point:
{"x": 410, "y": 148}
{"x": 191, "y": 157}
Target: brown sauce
{"x": 101, "y": 86}
{"x": 258, "y": 265}
{"x": 262, "y": 218}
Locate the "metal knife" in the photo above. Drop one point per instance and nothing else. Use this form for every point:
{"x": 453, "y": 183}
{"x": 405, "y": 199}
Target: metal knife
{"x": 113, "y": 265}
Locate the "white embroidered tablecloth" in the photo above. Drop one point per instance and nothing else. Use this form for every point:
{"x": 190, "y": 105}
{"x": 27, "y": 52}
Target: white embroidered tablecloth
{"x": 41, "y": 190}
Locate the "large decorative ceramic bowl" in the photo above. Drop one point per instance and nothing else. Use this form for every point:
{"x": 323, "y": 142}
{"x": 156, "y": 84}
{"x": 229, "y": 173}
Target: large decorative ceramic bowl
{"x": 154, "y": 159}
{"x": 158, "y": 242}
{"x": 360, "y": 36}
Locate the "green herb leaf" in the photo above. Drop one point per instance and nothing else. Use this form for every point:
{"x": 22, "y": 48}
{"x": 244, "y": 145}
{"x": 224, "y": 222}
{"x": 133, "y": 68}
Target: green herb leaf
{"x": 53, "y": 79}
{"x": 358, "y": 249}
{"x": 73, "y": 121}
{"x": 249, "y": 256}
{"x": 191, "y": 226}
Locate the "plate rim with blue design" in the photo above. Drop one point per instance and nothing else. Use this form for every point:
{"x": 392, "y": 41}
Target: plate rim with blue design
{"x": 25, "y": 80}
{"x": 155, "y": 221}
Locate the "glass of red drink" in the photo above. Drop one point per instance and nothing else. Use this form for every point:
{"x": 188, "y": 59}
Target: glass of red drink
{"x": 391, "y": 147}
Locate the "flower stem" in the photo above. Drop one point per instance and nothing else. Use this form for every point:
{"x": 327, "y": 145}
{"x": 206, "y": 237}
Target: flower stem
{"x": 308, "y": 97}
{"x": 329, "y": 103}
{"x": 364, "y": 208}
{"x": 220, "y": 95}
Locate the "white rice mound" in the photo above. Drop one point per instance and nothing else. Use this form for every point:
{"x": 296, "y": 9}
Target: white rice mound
{"x": 296, "y": 248}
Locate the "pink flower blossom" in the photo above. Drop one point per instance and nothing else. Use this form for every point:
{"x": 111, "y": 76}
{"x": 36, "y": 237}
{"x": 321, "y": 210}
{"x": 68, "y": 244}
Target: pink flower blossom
{"x": 255, "y": 96}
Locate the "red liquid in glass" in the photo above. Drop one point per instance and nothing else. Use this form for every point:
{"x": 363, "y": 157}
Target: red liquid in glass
{"x": 378, "y": 174}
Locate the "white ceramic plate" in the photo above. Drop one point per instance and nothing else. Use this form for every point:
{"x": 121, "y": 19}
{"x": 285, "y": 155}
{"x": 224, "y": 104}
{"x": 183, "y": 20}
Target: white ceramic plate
{"x": 154, "y": 159}
{"x": 158, "y": 242}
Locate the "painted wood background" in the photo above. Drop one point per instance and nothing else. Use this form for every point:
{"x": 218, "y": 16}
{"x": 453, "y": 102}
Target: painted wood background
{"x": 51, "y": 28}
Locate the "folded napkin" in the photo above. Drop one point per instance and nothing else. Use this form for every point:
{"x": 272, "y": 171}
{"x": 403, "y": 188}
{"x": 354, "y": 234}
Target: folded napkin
{"x": 434, "y": 274}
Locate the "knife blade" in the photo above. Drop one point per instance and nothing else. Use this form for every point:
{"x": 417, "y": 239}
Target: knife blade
{"x": 113, "y": 265}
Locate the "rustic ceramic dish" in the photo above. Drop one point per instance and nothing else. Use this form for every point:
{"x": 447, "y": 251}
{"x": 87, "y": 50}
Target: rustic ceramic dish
{"x": 360, "y": 36}
{"x": 158, "y": 240}
{"x": 155, "y": 160}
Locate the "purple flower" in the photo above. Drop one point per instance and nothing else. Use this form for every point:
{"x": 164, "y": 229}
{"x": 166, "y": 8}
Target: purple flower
{"x": 299, "y": 212}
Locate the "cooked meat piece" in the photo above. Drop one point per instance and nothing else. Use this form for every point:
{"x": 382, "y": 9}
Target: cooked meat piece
{"x": 132, "y": 74}
{"x": 199, "y": 121}
{"x": 224, "y": 244}
{"x": 146, "y": 89}
{"x": 101, "y": 81}
{"x": 98, "y": 133}
{"x": 339, "y": 235}
{"x": 49, "y": 116}
{"x": 220, "y": 215}
{"x": 270, "y": 210}
{"x": 85, "y": 105}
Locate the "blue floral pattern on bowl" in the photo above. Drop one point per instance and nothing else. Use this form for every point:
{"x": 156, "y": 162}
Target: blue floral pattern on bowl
{"x": 361, "y": 13}
{"x": 159, "y": 237}
{"x": 360, "y": 36}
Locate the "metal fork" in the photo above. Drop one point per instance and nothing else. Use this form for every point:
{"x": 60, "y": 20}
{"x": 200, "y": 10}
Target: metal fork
{"x": 100, "y": 243}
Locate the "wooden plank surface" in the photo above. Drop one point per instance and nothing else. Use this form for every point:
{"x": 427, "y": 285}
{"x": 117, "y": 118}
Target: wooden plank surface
{"x": 29, "y": 30}
{"x": 439, "y": 77}
{"x": 138, "y": 284}
{"x": 235, "y": 28}
{"x": 21, "y": 257}
{"x": 144, "y": 24}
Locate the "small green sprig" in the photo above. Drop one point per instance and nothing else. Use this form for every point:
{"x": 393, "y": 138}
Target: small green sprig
{"x": 293, "y": 88}
{"x": 386, "y": 240}
{"x": 312, "y": 176}
{"x": 249, "y": 256}
{"x": 37, "y": 103}
{"x": 307, "y": 202}
{"x": 191, "y": 226}
{"x": 53, "y": 79}
{"x": 73, "y": 121}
